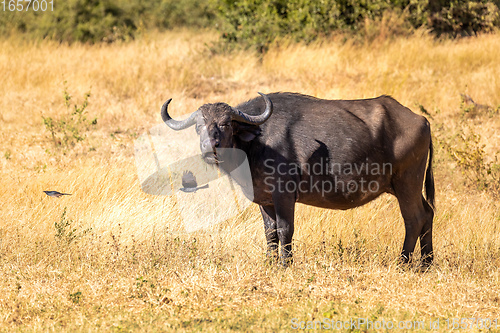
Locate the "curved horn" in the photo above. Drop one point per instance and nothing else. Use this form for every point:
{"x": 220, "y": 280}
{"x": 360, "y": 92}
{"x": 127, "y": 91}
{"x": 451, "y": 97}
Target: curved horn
{"x": 254, "y": 120}
{"x": 174, "y": 124}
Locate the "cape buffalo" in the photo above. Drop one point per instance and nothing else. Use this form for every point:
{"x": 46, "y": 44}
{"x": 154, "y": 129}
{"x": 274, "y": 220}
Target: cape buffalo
{"x": 336, "y": 154}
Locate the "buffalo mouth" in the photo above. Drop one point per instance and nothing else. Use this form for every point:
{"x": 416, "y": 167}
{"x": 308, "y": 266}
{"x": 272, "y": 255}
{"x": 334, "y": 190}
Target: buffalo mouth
{"x": 211, "y": 158}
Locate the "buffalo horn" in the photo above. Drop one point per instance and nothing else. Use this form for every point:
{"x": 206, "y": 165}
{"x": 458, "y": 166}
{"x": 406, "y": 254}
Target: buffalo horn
{"x": 175, "y": 124}
{"x": 254, "y": 120}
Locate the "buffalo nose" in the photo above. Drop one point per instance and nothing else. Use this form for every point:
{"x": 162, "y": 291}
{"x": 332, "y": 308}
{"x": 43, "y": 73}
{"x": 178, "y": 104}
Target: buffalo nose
{"x": 206, "y": 146}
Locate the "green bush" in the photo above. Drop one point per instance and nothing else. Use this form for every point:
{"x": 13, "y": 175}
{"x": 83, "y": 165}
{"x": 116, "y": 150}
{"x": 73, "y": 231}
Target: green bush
{"x": 464, "y": 18}
{"x": 251, "y": 23}
{"x": 70, "y": 128}
{"x": 169, "y": 14}
{"x": 66, "y": 232}
{"x": 256, "y": 23}
{"x": 95, "y": 21}
{"x": 464, "y": 145}
{"x": 467, "y": 151}
{"x": 74, "y": 20}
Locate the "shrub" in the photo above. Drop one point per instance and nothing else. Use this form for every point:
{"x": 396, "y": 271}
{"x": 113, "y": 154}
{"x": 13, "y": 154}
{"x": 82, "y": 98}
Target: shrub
{"x": 465, "y": 146}
{"x": 94, "y": 21}
{"x": 170, "y": 14}
{"x": 65, "y": 231}
{"x": 249, "y": 23}
{"x": 75, "y": 20}
{"x": 256, "y": 23}
{"x": 463, "y": 18}
{"x": 467, "y": 151}
{"x": 69, "y": 128}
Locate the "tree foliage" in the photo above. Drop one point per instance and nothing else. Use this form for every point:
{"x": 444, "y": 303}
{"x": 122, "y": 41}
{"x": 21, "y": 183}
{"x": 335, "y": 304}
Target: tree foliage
{"x": 250, "y": 23}
{"x": 95, "y": 21}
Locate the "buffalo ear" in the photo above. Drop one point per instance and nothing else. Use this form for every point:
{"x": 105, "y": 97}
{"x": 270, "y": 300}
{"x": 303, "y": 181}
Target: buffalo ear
{"x": 247, "y": 132}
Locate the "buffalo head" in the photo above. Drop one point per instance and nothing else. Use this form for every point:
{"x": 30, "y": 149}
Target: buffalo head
{"x": 220, "y": 126}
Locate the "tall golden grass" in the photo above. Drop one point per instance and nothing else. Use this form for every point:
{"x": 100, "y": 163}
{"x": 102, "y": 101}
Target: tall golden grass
{"x": 136, "y": 270}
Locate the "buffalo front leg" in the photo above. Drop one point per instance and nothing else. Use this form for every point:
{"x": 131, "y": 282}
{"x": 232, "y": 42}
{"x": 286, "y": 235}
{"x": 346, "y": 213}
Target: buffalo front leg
{"x": 285, "y": 209}
{"x": 270, "y": 228}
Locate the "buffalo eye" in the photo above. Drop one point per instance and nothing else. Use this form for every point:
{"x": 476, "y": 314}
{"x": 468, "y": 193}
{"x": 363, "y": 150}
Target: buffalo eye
{"x": 225, "y": 127}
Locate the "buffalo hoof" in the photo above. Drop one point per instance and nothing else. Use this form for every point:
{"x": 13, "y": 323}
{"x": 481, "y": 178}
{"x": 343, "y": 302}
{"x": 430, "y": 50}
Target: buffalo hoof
{"x": 271, "y": 258}
{"x": 427, "y": 260}
{"x": 420, "y": 266}
{"x": 286, "y": 262}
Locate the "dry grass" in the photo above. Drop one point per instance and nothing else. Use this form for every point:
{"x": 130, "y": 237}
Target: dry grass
{"x": 137, "y": 271}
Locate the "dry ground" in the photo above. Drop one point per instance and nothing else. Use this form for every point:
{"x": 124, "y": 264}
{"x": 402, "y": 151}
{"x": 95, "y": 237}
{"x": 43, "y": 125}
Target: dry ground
{"x": 136, "y": 270}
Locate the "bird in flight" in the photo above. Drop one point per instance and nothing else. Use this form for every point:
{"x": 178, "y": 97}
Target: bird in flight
{"x": 189, "y": 183}
{"x": 55, "y": 194}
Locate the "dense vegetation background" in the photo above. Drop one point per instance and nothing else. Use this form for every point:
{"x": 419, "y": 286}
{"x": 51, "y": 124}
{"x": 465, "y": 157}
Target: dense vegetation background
{"x": 250, "y": 23}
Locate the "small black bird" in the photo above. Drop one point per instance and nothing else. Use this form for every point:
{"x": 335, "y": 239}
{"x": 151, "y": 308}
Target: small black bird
{"x": 55, "y": 194}
{"x": 189, "y": 183}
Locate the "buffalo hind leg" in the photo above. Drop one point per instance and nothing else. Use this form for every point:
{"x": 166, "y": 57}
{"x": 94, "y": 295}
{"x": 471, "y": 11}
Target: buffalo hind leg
{"x": 270, "y": 228}
{"x": 414, "y": 222}
{"x": 417, "y": 213}
{"x": 426, "y": 235}
{"x": 417, "y": 216}
{"x": 418, "y": 224}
